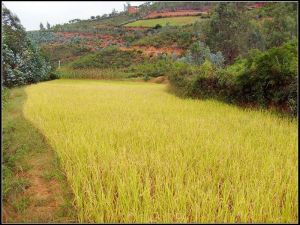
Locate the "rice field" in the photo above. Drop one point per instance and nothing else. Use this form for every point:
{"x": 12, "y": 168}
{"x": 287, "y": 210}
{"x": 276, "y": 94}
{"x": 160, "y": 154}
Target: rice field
{"x": 132, "y": 152}
{"x": 173, "y": 21}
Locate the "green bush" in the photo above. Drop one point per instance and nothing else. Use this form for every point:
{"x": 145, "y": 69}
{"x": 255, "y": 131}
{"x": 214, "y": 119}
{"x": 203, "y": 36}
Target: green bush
{"x": 167, "y": 36}
{"x": 269, "y": 75}
{"x": 262, "y": 78}
{"x": 110, "y": 57}
{"x": 154, "y": 67}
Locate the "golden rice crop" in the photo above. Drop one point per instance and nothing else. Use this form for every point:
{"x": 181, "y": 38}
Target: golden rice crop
{"x": 132, "y": 152}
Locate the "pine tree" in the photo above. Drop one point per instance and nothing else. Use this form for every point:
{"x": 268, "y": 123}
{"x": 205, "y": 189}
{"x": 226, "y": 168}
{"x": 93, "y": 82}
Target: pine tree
{"x": 42, "y": 26}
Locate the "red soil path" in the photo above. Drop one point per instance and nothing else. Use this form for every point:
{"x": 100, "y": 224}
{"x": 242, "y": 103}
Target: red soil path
{"x": 152, "y": 51}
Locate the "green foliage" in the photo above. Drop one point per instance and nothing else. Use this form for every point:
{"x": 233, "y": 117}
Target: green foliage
{"x": 64, "y": 53}
{"x": 198, "y": 53}
{"x": 4, "y": 96}
{"x": 167, "y": 36}
{"x": 263, "y": 78}
{"x": 95, "y": 25}
{"x": 93, "y": 73}
{"x": 110, "y": 57}
{"x": 178, "y": 5}
{"x": 21, "y": 205}
{"x": 42, "y": 26}
{"x": 43, "y": 37}
{"x": 22, "y": 61}
{"x": 270, "y": 76}
{"x": 283, "y": 25}
{"x": 227, "y": 31}
{"x": 154, "y": 67}
{"x": 171, "y": 21}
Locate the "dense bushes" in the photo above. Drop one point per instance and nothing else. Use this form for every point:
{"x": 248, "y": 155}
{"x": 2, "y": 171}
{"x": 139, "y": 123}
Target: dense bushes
{"x": 63, "y": 53}
{"x": 167, "y": 36}
{"x": 152, "y": 67}
{"x": 110, "y": 57}
{"x": 262, "y": 78}
{"x": 270, "y": 76}
{"x": 21, "y": 59}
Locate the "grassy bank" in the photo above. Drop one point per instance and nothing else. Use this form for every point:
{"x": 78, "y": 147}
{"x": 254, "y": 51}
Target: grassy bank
{"x": 34, "y": 189}
{"x": 172, "y": 21}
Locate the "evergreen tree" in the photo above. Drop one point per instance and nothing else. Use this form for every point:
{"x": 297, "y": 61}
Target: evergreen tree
{"x": 227, "y": 31}
{"x": 42, "y": 26}
{"x": 21, "y": 59}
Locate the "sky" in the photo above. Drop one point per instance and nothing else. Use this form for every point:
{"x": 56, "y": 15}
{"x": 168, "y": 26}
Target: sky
{"x": 32, "y": 13}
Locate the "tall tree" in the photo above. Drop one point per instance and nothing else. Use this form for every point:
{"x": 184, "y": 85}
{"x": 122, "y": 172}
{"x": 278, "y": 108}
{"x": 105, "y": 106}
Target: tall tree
{"x": 42, "y": 26}
{"x": 283, "y": 25}
{"x": 48, "y": 26}
{"x": 22, "y": 61}
{"x": 227, "y": 31}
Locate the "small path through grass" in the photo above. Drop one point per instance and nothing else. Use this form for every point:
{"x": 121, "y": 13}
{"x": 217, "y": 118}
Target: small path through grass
{"x": 34, "y": 188}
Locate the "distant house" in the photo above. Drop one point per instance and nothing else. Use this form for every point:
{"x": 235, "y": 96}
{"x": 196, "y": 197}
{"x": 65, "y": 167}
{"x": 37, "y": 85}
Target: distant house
{"x": 132, "y": 9}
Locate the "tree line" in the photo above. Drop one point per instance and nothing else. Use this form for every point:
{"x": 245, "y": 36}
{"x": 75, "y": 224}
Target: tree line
{"x": 22, "y": 61}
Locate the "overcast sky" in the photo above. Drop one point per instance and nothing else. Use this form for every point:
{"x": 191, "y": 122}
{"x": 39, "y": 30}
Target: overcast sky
{"x": 32, "y": 13}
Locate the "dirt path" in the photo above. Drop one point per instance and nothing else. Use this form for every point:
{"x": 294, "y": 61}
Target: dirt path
{"x": 152, "y": 51}
{"x": 38, "y": 191}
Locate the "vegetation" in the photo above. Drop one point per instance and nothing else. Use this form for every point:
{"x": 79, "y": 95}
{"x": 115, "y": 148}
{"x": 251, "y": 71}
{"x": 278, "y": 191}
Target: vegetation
{"x": 22, "y": 61}
{"x": 108, "y": 58}
{"x": 92, "y": 73}
{"x": 94, "y": 25}
{"x": 65, "y": 53}
{"x": 167, "y": 36}
{"x": 172, "y": 21}
{"x": 140, "y": 154}
{"x": 263, "y": 78}
{"x": 26, "y": 159}
{"x": 224, "y": 150}
{"x": 266, "y": 76}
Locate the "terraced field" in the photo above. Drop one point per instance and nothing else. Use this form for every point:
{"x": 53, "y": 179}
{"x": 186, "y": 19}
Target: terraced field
{"x": 172, "y": 21}
{"x": 132, "y": 152}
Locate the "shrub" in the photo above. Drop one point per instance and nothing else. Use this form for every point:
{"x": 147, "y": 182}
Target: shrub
{"x": 269, "y": 75}
{"x": 152, "y": 67}
{"x": 110, "y": 57}
{"x": 198, "y": 53}
{"x": 262, "y": 78}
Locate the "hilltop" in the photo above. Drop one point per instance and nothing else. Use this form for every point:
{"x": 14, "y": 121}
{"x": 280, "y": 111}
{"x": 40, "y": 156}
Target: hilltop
{"x": 160, "y": 27}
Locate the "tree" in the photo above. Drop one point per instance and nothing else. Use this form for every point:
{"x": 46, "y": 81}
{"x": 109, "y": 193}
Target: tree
{"x": 198, "y": 53}
{"x": 227, "y": 31}
{"x": 13, "y": 32}
{"x": 42, "y": 26}
{"x": 283, "y": 25}
{"x": 22, "y": 61}
{"x": 92, "y": 17}
{"x": 48, "y": 26}
{"x": 126, "y": 6}
{"x": 114, "y": 12}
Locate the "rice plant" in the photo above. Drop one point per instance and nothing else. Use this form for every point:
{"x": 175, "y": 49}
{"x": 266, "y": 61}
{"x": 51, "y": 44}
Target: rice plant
{"x": 132, "y": 152}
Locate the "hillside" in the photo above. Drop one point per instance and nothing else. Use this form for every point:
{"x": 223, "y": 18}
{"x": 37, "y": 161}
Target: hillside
{"x": 142, "y": 29}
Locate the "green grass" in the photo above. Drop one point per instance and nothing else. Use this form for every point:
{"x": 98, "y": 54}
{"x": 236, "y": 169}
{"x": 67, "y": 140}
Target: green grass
{"x": 173, "y": 21}
{"x": 149, "y": 67}
{"x": 23, "y": 150}
{"x": 107, "y": 58}
{"x": 133, "y": 152}
{"x": 92, "y": 73}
